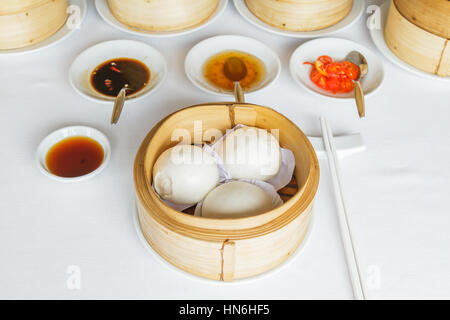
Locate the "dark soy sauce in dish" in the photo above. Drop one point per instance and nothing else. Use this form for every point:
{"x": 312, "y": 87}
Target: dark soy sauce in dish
{"x": 74, "y": 157}
{"x": 111, "y": 76}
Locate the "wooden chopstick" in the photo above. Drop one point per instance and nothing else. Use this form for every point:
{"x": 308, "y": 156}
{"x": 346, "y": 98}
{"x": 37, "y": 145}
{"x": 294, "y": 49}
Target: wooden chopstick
{"x": 346, "y": 233}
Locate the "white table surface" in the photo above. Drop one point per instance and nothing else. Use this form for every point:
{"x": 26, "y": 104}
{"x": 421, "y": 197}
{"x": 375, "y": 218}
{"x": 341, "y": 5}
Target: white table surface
{"x": 397, "y": 190}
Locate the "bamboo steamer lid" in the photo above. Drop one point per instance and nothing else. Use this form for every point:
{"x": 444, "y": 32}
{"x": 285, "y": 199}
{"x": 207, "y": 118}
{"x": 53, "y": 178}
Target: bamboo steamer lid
{"x": 15, "y": 6}
{"x": 35, "y": 24}
{"x": 416, "y": 46}
{"x": 430, "y": 15}
{"x": 300, "y": 15}
{"x": 225, "y": 249}
{"x": 162, "y": 15}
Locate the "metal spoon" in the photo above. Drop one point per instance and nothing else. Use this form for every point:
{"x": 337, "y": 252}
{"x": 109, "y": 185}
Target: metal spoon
{"x": 235, "y": 70}
{"x": 358, "y": 59}
{"x": 118, "y": 105}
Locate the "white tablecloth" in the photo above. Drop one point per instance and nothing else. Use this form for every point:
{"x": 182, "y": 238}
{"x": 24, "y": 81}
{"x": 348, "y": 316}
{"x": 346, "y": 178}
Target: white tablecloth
{"x": 397, "y": 190}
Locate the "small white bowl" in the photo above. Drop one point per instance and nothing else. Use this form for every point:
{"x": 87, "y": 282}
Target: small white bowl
{"x": 63, "y": 133}
{"x": 337, "y": 49}
{"x": 81, "y": 69}
{"x": 202, "y": 51}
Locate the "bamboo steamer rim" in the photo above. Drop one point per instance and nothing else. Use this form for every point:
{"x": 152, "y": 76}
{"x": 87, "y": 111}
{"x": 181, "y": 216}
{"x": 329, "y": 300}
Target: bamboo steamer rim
{"x": 432, "y": 16}
{"x": 201, "y": 231}
{"x": 23, "y": 8}
{"x": 229, "y": 228}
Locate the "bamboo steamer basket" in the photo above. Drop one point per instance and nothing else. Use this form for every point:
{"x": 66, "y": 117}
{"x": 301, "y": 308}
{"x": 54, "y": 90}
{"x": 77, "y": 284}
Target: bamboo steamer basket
{"x": 24, "y": 23}
{"x": 162, "y": 15}
{"x": 225, "y": 249}
{"x": 300, "y": 15}
{"x": 417, "y": 32}
{"x": 15, "y": 6}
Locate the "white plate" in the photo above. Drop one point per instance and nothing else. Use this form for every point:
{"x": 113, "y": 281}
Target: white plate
{"x": 202, "y": 51}
{"x": 83, "y": 65}
{"x": 67, "y": 132}
{"x": 193, "y": 277}
{"x": 105, "y": 13}
{"x": 378, "y": 38}
{"x": 337, "y": 49}
{"x": 61, "y": 34}
{"x": 354, "y": 14}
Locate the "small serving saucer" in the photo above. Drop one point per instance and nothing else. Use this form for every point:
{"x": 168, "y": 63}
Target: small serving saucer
{"x": 354, "y": 14}
{"x": 105, "y": 13}
{"x": 202, "y": 51}
{"x": 83, "y": 65}
{"x": 77, "y": 11}
{"x": 73, "y": 131}
{"x": 337, "y": 49}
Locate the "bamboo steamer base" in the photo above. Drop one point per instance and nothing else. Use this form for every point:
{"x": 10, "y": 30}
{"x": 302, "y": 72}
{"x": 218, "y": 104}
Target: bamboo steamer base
{"x": 226, "y": 249}
{"x": 162, "y": 15}
{"x": 300, "y": 15}
{"x": 32, "y": 26}
{"x": 417, "y": 47}
{"x": 222, "y": 253}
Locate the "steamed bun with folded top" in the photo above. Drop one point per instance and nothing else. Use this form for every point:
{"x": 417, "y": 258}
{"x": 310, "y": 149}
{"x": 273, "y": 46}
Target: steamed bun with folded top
{"x": 251, "y": 153}
{"x": 236, "y": 199}
{"x": 184, "y": 174}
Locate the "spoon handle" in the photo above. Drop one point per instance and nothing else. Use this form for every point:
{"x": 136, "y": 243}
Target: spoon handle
{"x": 118, "y": 105}
{"x": 238, "y": 92}
{"x": 359, "y": 97}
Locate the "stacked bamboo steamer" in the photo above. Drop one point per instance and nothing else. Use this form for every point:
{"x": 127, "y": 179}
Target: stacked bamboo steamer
{"x": 27, "y": 22}
{"x": 418, "y": 32}
{"x": 300, "y": 15}
{"x": 225, "y": 249}
{"x": 162, "y": 15}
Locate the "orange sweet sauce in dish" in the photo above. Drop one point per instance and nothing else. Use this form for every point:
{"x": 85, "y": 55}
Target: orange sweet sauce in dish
{"x": 213, "y": 70}
{"x": 74, "y": 157}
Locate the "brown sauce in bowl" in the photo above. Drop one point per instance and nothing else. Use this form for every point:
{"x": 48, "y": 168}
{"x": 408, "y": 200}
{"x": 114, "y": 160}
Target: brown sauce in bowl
{"x": 74, "y": 157}
{"x": 111, "y": 76}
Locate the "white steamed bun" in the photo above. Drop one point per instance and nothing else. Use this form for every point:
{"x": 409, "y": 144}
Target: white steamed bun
{"x": 251, "y": 153}
{"x": 236, "y": 199}
{"x": 184, "y": 174}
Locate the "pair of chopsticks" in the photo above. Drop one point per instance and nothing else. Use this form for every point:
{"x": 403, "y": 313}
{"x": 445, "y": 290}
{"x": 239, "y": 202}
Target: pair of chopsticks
{"x": 346, "y": 232}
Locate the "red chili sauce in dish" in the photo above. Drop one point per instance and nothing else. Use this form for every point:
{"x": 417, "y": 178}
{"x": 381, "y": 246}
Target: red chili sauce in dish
{"x": 333, "y": 76}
